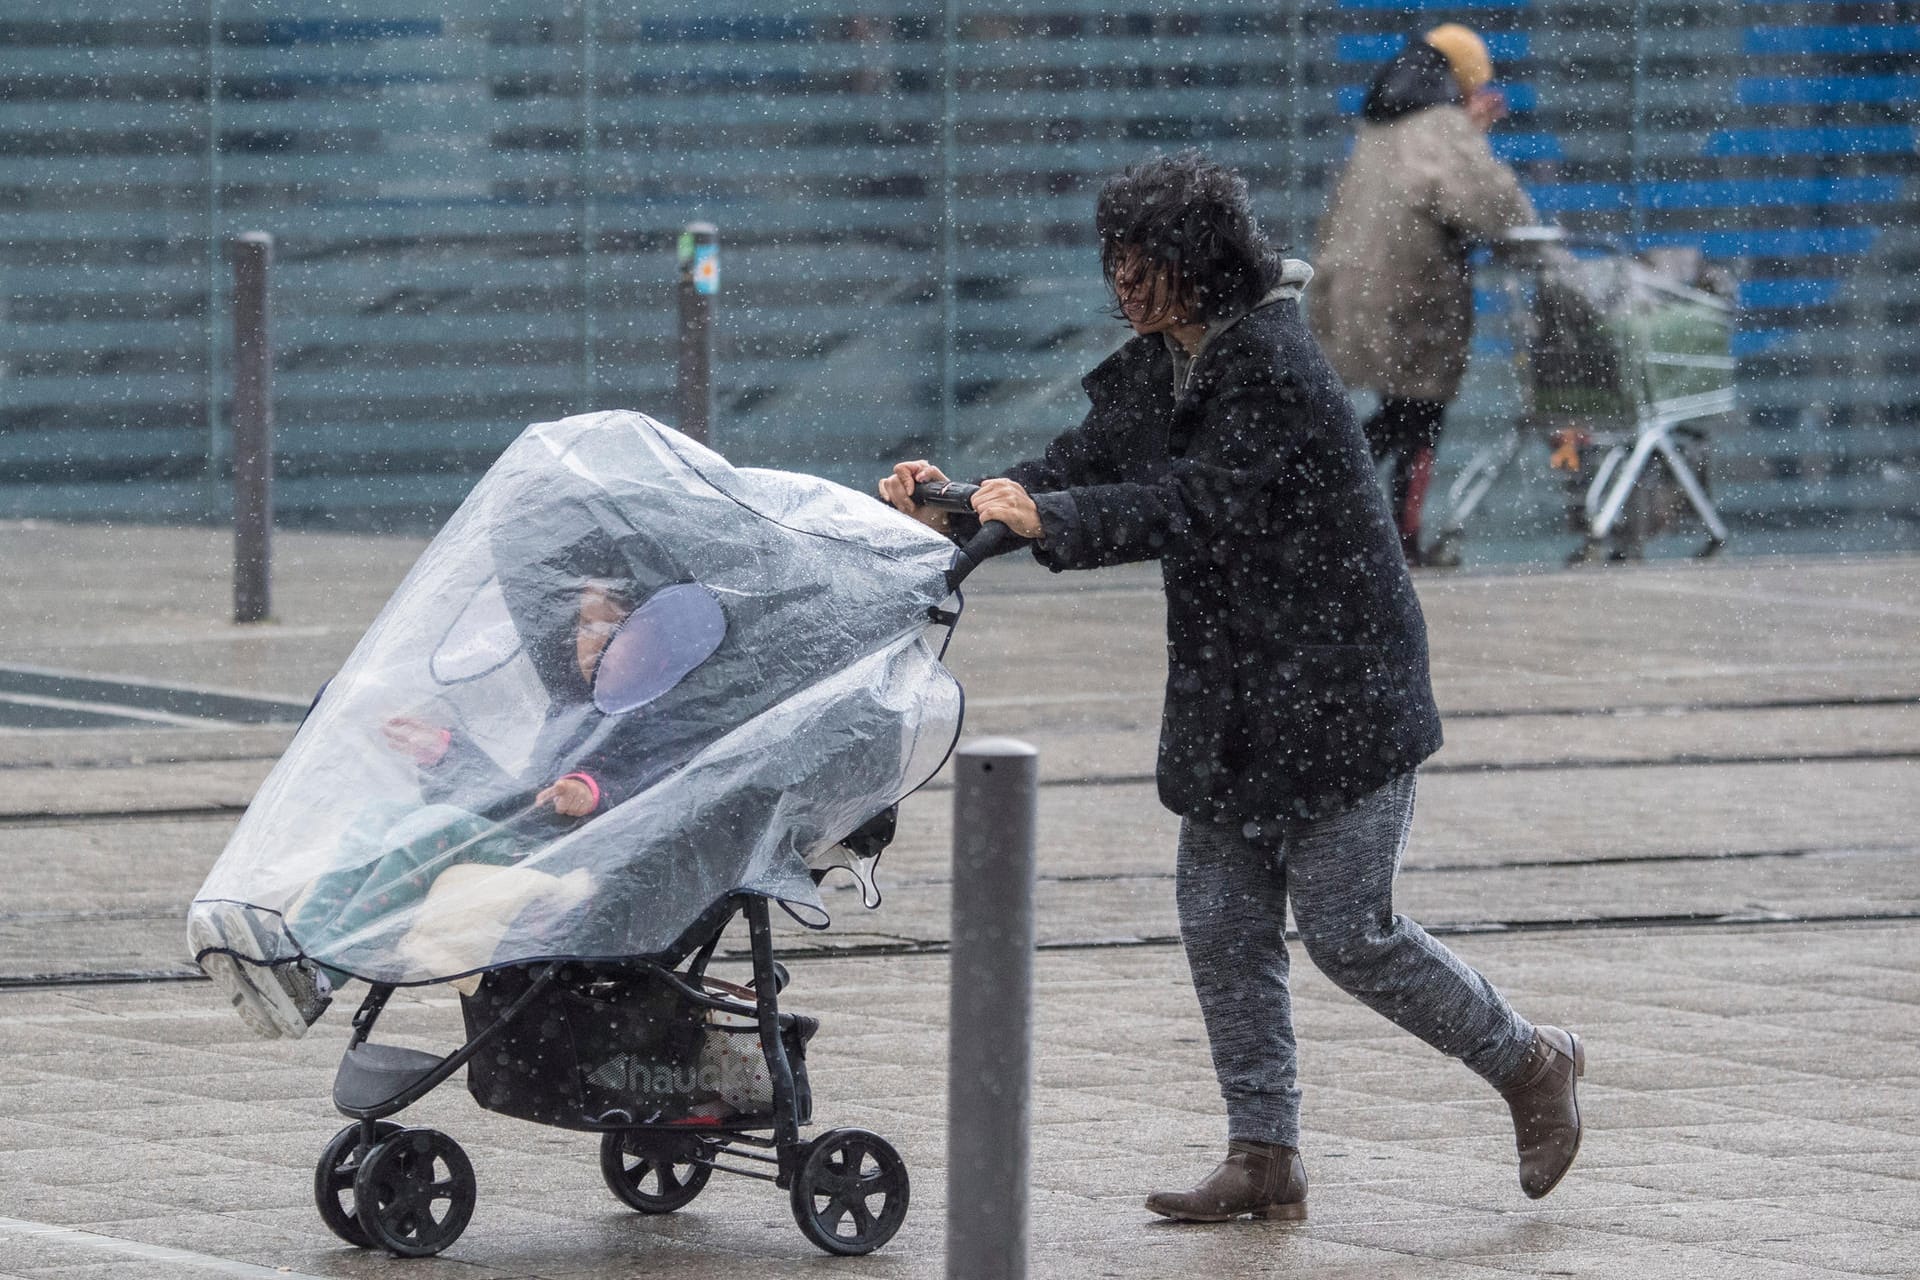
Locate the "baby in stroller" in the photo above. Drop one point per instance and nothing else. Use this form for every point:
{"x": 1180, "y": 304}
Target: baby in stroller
{"x": 475, "y": 818}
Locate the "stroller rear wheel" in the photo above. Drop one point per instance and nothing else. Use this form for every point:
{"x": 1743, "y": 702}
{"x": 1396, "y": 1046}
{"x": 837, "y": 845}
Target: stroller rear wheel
{"x": 333, "y": 1182}
{"x": 850, "y": 1191}
{"x": 414, "y": 1192}
{"x": 653, "y": 1174}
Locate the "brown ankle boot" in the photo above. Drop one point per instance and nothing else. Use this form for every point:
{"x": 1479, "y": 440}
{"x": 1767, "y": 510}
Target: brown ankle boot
{"x": 1260, "y": 1178}
{"x": 1546, "y": 1114}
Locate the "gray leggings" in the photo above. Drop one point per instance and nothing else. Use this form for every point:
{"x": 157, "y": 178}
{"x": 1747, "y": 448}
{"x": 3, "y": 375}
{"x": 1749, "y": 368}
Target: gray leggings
{"x": 1339, "y": 872}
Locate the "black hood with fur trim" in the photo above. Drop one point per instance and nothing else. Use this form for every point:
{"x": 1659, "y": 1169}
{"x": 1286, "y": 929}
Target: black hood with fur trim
{"x": 1417, "y": 77}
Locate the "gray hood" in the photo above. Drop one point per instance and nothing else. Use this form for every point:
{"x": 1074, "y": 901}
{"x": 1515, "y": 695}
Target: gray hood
{"x": 1295, "y": 275}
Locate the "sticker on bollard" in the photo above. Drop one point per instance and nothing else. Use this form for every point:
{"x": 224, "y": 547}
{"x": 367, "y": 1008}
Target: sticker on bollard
{"x": 700, "y": 257}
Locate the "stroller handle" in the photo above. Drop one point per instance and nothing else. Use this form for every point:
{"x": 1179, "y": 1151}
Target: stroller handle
{"x": 1518, "y": 240}
{"x": 993, "y": 538}
{"x": 945, "y": 495}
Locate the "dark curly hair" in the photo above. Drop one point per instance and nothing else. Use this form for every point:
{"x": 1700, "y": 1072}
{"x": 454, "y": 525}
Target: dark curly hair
{"x": 1192, "y": 218}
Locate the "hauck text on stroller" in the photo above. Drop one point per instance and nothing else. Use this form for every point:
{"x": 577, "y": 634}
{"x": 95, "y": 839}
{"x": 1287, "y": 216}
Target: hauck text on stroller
{"x": 628, "y": 695}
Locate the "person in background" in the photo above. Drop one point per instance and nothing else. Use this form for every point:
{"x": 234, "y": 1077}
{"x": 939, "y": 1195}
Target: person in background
{"x": 1394, "y": 307}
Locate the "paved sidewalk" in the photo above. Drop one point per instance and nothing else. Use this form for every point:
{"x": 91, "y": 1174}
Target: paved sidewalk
{"x": 1674, "y": 813}
{"x": 1738, "y": 1129}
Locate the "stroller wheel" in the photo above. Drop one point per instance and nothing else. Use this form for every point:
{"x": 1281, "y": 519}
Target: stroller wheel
{"x": 653, "y": 1174}
{"x": 333, "y": 1182}
{"x": 850, "y": 1192}
{"x": 414, "y": 1193}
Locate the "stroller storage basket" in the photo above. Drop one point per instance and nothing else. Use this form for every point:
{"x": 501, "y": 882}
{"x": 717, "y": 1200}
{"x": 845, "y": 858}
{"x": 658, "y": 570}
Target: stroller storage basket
{"x": 619, "y": 1048}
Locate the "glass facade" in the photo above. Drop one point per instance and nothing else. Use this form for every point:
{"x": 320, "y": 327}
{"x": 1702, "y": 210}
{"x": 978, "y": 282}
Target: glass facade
{"x": 475, "y": 207}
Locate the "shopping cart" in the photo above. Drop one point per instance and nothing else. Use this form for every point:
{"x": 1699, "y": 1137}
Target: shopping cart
{"x": 1619, "y": 367}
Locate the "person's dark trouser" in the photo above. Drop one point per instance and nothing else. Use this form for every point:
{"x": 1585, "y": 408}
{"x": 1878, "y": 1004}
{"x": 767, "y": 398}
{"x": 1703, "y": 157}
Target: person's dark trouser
{"x": 1406, "y": 431}
{"x": 1339, "y": 872}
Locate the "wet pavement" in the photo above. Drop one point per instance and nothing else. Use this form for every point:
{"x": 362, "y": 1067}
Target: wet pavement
{"x": 1674, "y": 813}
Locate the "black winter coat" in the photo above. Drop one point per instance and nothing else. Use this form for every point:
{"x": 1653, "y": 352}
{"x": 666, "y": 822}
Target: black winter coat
{"x": 1297, "y": 653}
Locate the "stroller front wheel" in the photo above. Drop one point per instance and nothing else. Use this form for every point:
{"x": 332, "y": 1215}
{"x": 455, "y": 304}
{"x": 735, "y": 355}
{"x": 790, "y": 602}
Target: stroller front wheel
{"x": 333, "y": 1182}
{"x": 651, "y": 1174}
{"x": 415, "y": 1192}
{"x": 850, "y": 1191}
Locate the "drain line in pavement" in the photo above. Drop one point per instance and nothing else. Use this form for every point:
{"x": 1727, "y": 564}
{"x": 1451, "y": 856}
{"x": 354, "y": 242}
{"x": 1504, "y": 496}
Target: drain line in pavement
{"x": 1751, "y": 918}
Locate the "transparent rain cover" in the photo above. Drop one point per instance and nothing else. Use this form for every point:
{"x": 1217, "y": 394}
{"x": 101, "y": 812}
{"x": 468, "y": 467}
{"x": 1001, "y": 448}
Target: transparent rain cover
{"x": 742, "y": 661}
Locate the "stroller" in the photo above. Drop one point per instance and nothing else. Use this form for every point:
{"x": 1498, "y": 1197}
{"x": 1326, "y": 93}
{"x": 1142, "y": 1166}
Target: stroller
{"x": 1619, "y": 367}
{"x": 628, "y": 695}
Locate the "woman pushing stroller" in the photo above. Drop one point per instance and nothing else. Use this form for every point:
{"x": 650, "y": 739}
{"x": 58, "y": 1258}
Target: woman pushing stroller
{"x": 1298, "y": 703}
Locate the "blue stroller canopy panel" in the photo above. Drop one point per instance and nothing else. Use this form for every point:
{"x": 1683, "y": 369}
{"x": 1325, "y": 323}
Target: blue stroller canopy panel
{"x": 733, "y": 666}
{"x": 676, "y": 630}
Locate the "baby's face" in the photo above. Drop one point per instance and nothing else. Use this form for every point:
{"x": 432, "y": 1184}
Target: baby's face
{"x": 600, "y": 613}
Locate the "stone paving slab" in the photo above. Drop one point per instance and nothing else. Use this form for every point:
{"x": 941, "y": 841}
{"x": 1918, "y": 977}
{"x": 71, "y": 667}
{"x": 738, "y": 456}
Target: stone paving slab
{"x": 1731, "y": 737}
{"x": 1493, "y": 741}
{"x": 1738, "y": 841}
{"x": 157, "y": 770}
{"x": 187, "y": 1133}
{"x": 171, "y": 591}
{"x": 145, "y": 787}
{"x": 1655, "y": 634}
{"x": 84, "y": 750}
{"x": 148, "y": 939}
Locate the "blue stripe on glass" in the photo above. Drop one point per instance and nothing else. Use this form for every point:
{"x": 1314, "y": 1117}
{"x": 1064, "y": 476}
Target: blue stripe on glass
{"x": 1852, "y": 39}
{"x": 1831, "y": 140}
{"x": 1578, "y": 197}
{"x": 1753, "y": 342}
{"x": 1421, "y": 6}
{"x": 1520, "y": 97}
{"x": 734, "y": 29}
{"x": 1808, "y": 242}
{"x": 1367, "y": 48}
{"x": 1804, "y": 291}
{"x": 1504, "y": 46}
{"x": 1516, "y": 148}
{"x": 1769, "y": 192}
{"x": 273, "y": 87}
{"x": 1802, "y": 91}
{"x": 292, "y": 31}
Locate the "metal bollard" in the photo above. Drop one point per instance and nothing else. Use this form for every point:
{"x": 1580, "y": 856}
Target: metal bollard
{"x": 699, "y": 282}
{"x": 990, "y": 1032}
{"x": 252, "y": 430}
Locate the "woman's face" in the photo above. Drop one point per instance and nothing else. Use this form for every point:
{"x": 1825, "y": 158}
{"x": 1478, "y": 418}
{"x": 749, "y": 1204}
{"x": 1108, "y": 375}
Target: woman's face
{"x": 1147, "y": 295}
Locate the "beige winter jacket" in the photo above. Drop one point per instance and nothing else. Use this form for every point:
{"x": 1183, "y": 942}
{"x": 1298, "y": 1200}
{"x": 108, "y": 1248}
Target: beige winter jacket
{"x": 1393, "y": 302}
